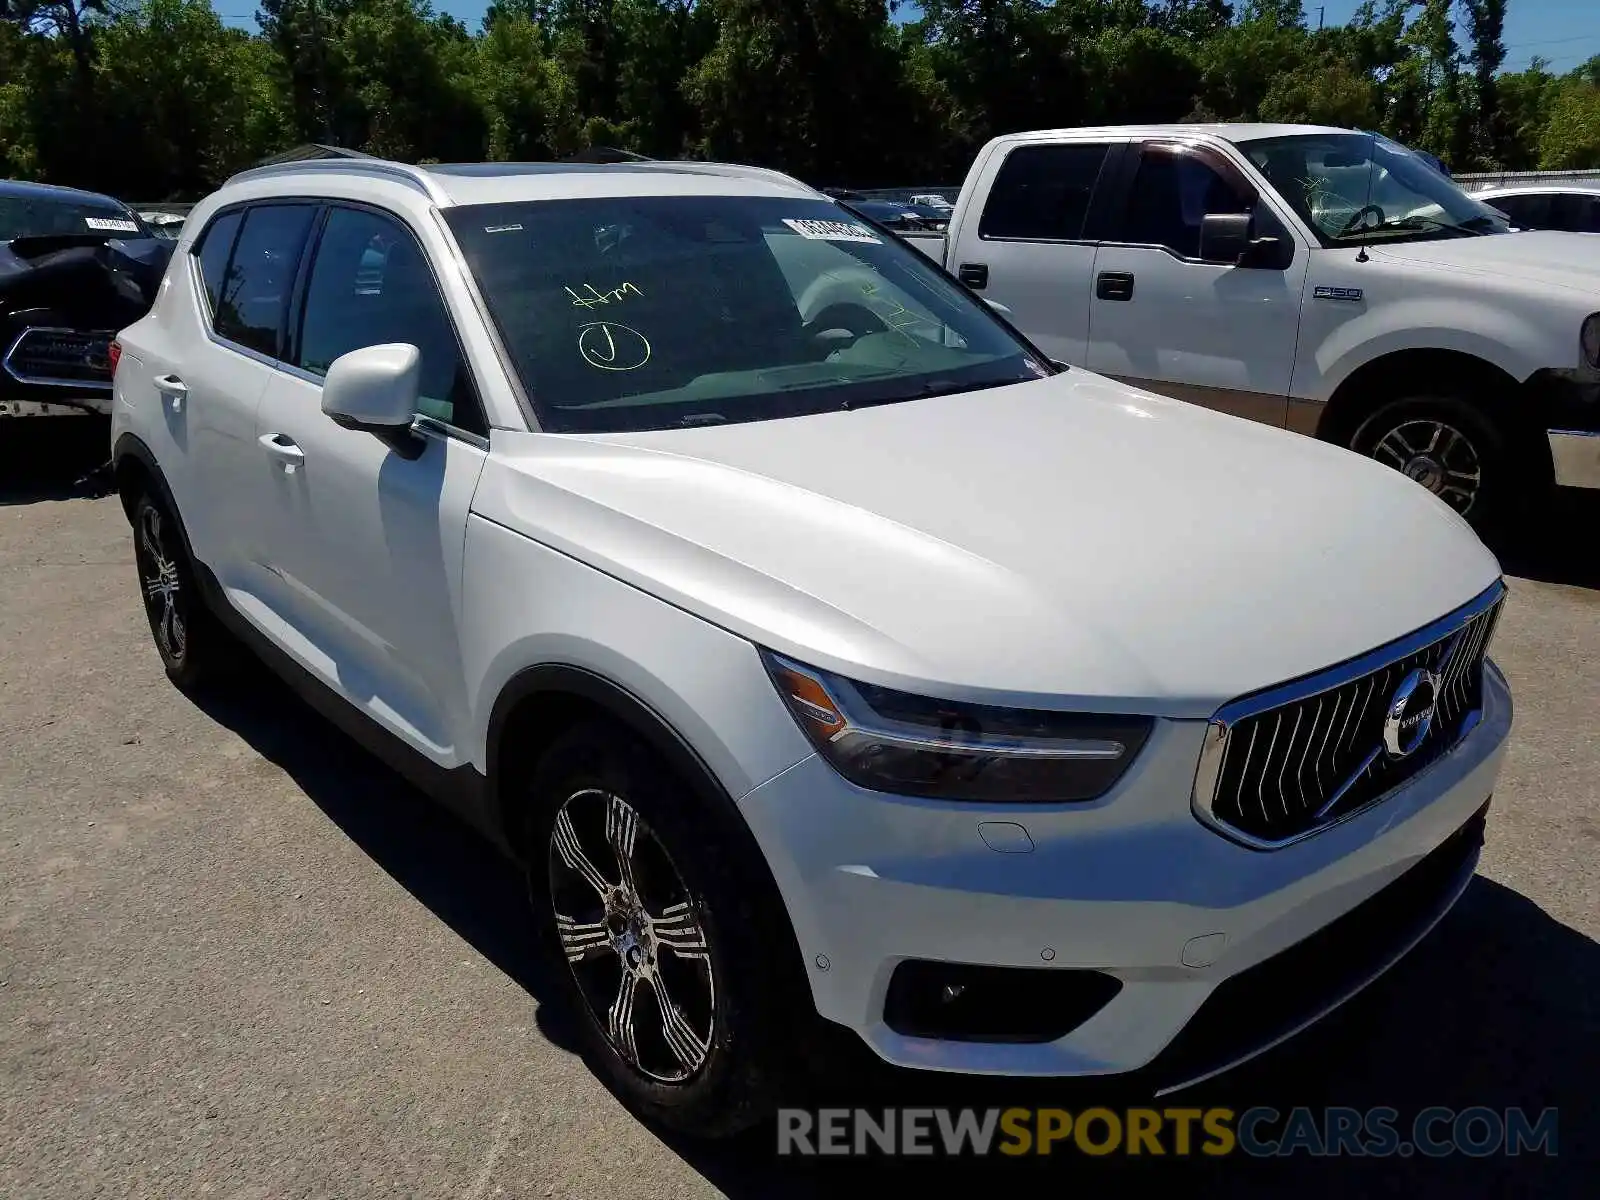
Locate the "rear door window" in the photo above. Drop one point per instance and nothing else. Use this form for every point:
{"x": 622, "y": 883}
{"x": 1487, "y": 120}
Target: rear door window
{"x": 1042, "y": 193}
{"x": 1575, "y": 212}
{"x": 254, "y": 295}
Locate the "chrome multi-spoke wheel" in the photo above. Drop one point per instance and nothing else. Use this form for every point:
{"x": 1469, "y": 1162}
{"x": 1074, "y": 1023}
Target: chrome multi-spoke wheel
{"x": 633, "y": 936}
{"x": 1438, "y": 456}
{"x": 164, "y": 596}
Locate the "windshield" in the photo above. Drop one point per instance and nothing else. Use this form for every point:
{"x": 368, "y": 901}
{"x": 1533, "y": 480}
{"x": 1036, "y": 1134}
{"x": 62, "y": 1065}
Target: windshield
{"x": 1353, "y": 188}
{"x": 651, "y": 312}
{"x": 49, "y": 216}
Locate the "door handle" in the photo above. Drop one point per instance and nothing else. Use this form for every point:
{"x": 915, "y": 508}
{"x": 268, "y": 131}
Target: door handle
{"x": 974, "y": 275}
{"x": 173, "y": 388}
{"x": 282, "y": 447}
{"x": 1114, "y": 285}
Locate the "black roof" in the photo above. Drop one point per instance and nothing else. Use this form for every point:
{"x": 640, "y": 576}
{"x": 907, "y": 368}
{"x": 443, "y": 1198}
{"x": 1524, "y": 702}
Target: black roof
{"x": 51, "y": 191}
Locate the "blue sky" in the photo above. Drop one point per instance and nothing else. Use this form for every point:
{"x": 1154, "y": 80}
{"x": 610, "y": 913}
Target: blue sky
{"x": 1566, "y": 32}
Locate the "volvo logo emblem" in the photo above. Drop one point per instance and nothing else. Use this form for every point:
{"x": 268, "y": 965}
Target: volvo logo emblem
{"x": 1410, "y": 714}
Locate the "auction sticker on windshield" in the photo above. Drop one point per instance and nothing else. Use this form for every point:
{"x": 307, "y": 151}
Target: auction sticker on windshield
{"x": 832, "y": 231}
{"x": 111, "y": 225}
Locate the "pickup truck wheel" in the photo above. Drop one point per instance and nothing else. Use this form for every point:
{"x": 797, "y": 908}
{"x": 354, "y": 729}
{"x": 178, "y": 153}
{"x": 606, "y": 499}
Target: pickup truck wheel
{"x": 1450, "y": 447}
{"x": 194, "y": 647}
{"x": 654, "y": 934}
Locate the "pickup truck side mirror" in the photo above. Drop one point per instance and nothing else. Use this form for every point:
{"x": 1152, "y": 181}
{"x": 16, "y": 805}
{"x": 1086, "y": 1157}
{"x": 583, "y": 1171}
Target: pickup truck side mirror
{"x": 1230, "y": 238}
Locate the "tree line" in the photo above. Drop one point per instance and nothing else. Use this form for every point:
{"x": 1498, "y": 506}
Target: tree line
{"x": 159, "y": 99}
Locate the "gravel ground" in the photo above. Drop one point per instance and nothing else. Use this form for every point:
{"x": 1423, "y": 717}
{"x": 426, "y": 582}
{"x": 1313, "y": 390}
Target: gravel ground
{"x": 240, "y": 959}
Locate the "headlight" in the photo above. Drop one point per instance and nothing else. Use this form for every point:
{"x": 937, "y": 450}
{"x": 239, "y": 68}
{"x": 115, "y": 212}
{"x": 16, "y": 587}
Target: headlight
{"x": 917, "y": 746}
{"x": 1589, "y": 339}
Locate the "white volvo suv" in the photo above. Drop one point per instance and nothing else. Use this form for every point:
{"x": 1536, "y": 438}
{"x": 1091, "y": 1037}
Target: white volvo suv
{"x": 818, "y": 646}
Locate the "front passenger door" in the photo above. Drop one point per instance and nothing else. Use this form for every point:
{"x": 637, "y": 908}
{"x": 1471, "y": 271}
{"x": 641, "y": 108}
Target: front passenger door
{"x": 1166, "y": 319}
{"x": 366, "y": 541}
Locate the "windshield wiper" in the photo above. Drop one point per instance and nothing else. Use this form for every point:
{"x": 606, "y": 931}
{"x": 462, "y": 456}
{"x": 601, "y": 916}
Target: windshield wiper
{"x": 933, "y": 387}
{"x": 1419, "y": 225}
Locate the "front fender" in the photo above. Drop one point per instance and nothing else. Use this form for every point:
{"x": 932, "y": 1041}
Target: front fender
{"x": 1514, "y": 345}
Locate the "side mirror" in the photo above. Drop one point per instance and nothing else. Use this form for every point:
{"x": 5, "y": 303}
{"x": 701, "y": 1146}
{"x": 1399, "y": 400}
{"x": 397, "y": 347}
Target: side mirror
{"x": 1230, "y": 238}
{"x": 1225, "y": 237}
{"x": 374, "y": 388}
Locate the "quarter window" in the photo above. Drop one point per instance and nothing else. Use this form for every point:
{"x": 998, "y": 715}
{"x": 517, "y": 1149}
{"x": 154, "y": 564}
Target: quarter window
{"x": 215, "y": 249}
{"x": 1042, "y": 193}
{"x": 370, "y": 284}
{"x": 254, "y": 295}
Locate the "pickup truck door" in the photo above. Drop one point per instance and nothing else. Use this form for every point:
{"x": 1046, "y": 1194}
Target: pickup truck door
{"x": 1163, "y": 318}
{"x": 1032, "y": 246}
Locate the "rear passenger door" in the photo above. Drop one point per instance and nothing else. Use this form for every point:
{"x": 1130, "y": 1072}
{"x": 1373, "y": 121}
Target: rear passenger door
{"x": 1034, "y": 245}
{"x": 245, "y": 263}
{"x": 1165, "y": 318}
{"x": 365, "y": 538}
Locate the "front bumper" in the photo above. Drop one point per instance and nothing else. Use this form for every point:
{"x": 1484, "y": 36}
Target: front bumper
{"x": 1131, "y": 885}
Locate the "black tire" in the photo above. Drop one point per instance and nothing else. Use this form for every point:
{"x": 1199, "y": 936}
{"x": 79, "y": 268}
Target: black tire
{"x": 196, "y": 651}
{"x": 687, "y": 879}
{"x": 1451, "y": 446}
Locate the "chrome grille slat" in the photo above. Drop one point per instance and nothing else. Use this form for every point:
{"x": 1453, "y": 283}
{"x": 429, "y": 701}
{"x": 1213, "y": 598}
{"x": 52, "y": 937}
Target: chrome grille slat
{"x": 1261, "y": 795}
{"x": 1338, "y": 702}
{"x": 1323, "y": 735}
{"x": 1288, "y": 753}
{"x": 1300, "y": 773}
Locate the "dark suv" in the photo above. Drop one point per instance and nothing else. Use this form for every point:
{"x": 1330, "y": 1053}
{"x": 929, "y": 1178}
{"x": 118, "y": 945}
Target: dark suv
{"x": 75, "y": 267}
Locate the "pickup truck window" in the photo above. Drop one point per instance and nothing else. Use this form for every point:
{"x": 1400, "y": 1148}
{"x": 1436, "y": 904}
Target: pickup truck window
{"x": 654, "y": 312}
{"x": 1171, "y": 193}
{"x": 1042, "y": 193}
{"x": 1352, "y": 188}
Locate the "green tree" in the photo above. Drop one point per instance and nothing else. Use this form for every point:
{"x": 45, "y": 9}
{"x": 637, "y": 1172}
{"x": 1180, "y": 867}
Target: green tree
{"x": 1486, "y": 24}
{"x": 528, "y": 101}
{"x": 1571, "y": 137}
{"x": 818, "y": 87}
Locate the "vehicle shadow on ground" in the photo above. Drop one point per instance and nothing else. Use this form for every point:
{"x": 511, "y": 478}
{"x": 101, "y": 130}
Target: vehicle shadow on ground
{"x": 464, "y": 880}
{"x": 53, "y": 458}
{"x": 1559, "y": 545}
{"x": 1499, "y": 1006}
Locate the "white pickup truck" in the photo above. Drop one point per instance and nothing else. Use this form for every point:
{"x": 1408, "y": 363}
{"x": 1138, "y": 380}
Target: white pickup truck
{"x": 1316, "y": 279}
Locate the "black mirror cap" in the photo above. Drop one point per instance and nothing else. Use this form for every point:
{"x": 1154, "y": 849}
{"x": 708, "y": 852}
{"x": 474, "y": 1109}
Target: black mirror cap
{"x": 1225, "y": 237}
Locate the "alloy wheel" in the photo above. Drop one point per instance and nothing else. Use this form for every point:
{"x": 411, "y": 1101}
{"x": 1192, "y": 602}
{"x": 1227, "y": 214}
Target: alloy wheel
{"x": 633, "y": 937}
{"x": 1438, "y": 456}
{"x": 163, "y": 589}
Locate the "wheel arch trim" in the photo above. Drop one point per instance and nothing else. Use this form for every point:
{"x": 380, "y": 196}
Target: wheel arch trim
{"x": 131, "y": 446}
{"x": 617, "y": 702}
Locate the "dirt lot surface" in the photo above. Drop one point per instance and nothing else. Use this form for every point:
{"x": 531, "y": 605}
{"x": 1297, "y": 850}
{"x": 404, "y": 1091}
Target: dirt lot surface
{"x": 240, "y": 959}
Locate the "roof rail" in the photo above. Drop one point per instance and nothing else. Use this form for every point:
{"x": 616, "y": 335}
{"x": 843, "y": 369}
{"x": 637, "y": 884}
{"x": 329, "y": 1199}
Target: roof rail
{"x": 416, "y": 177}
{"x": 727, "y": 170}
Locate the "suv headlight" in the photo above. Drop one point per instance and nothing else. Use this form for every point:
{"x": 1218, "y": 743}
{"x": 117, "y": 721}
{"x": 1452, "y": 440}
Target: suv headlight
{"x": 919, "y": 746}
{"x": 1589, "y": 339}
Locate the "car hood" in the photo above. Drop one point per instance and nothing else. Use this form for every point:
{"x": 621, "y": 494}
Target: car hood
{"x": 1068, "y": 541}
{"x": 1564, "y": 260}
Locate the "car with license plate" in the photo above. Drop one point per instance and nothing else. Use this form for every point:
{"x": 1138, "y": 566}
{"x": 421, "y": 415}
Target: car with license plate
{"x": 830, "y": 661}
